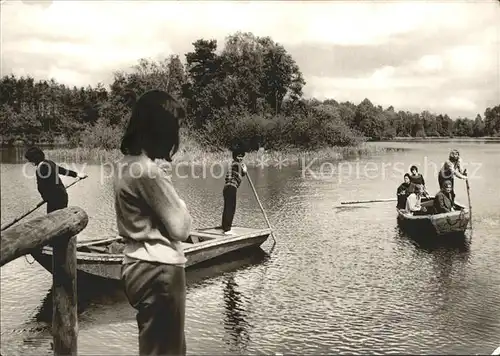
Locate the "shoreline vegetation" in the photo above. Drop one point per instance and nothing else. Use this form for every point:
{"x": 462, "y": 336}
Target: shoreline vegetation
{"x": 459, "y": 138}
{"x": 247, "y": 91}
{"x": 193, "y": 154}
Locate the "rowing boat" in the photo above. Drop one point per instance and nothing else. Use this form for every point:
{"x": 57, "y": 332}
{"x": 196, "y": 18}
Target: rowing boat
{"x": 103, "y": 258}
{"x": 437, "y": 224}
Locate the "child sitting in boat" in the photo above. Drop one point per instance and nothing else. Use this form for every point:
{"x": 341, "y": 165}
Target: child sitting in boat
{"x": 232, "y": 182}
{"x": 417, "y": 178}
{"x": 405, "y": 189}
{"x": 414, "y": 202}
{"x": 443, "y": 201}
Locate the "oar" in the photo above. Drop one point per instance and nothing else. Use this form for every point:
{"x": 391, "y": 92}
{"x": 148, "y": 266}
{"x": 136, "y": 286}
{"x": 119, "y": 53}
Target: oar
{"x": 98, "y": 241}
{"x": 261, "y": 207}
{"x": 36, "y": 207}
{"x": 468, "y": 196}
{"x": 369, "y": 201}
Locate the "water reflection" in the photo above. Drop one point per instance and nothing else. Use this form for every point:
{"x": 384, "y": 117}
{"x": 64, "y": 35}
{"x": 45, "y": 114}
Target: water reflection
{"x": 448, "y": 267}
{"x": 448, "y": 258}
{"x": 454, "y": 243}
{"x": 95, "y": 296}
{"x": 12, "y": 154}
{"x": 235, "y": 324}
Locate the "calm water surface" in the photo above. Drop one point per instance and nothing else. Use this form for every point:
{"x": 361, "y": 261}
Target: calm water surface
{"x": 340, "y": 280}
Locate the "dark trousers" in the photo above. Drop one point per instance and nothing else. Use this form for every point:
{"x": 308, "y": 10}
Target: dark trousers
{"x": 229, "y": 194}
{"x": 56, "y": 201}
{"x": 158, "y": 292}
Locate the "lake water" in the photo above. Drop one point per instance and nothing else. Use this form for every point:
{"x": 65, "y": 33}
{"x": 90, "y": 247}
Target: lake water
{"x": 340, "y": 280}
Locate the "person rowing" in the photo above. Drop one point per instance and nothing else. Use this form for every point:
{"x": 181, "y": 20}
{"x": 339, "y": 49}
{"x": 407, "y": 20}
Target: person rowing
{"x": 49, "y": 183}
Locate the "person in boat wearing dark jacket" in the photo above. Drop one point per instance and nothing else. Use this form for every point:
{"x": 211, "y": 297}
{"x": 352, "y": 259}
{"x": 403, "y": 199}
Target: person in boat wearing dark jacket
{"x": 415, "y": 177}
{"x": 443, "y": 200}
{"x": 49, "y": 183}
{"x": 451, "y": 169}
{"x": 232, "y": 182}
{"x": 405, "y": 189}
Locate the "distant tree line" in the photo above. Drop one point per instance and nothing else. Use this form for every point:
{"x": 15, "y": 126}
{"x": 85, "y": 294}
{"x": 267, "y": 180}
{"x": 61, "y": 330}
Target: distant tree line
{"x": 249, "y": 90}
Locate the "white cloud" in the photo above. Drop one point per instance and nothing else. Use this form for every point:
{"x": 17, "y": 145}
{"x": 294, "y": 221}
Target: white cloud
{"x": 470, "y": 59}
{"x": 431, "y": 63}
{"x": 382, "y": 77}
{"x": 461, "y": 104}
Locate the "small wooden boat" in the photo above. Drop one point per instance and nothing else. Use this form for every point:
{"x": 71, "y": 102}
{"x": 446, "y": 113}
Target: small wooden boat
{"x": 103, "y": 257}
{"x": 437, "y": 224}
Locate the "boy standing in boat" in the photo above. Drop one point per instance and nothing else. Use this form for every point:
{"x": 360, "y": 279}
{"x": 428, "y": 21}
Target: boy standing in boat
{"x": 232, "y": 182}
{"x": 49, "y": 185}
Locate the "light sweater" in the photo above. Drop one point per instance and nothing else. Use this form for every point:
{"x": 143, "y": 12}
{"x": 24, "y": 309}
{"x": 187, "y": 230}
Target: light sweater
{"x": 413, "y": 203}
{"x": 150, "y": 216}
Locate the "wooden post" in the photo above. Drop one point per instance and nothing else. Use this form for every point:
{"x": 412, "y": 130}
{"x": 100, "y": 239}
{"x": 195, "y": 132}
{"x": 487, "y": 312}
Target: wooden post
{"x": 64, "y": 297}
{"x": 58, "y": 229}
{"x": 29, "y": 236}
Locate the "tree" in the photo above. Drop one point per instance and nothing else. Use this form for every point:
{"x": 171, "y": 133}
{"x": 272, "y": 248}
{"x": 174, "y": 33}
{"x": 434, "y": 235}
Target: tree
{"x": 369, "y": 120}
{"x": 478, "y": 128}
{"x": 463, "y": 127}
{"x": 429, "y": 122}
{"x": 492, "y": 121}
{"x": 417, "y": 129}
{"x": 444, "y": 125}
{"x": 265, "y": 72}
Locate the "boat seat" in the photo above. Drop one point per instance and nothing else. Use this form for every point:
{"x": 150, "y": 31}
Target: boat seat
{"x": 429, "y": 205}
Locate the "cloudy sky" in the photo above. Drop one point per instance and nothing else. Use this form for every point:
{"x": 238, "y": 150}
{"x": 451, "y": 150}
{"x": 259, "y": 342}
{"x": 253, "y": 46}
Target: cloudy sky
{"x": 442, "y": 56}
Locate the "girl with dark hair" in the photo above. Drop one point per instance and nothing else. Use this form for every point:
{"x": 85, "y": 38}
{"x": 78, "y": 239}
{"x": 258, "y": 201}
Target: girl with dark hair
{"x": 418, "y": 179}
{"x": 415, "y": 177}
{"x": 153, "y": 221}
{"x": 404, "y": 190}
{"x": 48, "y": 182}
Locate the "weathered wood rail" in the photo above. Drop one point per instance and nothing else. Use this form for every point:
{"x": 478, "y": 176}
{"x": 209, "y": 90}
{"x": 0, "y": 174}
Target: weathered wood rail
{"x": 58, "y": 229}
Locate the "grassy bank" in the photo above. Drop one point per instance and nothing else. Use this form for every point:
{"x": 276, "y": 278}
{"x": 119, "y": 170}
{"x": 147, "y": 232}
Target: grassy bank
{"x": 193, "y": 154}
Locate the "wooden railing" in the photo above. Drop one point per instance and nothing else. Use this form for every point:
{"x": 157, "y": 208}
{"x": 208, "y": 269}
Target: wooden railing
{"x": 59, "y": 230}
